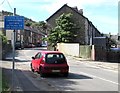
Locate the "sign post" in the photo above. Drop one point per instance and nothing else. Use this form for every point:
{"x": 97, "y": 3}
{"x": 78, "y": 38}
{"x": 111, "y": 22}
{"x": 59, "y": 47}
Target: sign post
{"x": 13, "y": 65}
{"x": 13, "y": 23}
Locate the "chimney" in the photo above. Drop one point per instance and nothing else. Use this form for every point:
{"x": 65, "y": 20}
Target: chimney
{"x": 75, "y": 8}
{"x": 81, "y": 11}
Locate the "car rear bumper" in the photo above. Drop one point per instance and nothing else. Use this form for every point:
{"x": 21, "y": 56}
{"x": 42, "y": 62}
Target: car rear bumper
{"x": 55, "y": 70}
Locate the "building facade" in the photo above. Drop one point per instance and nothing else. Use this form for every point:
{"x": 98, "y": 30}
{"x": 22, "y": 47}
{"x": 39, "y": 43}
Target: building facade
{"x": 86, "y": 30}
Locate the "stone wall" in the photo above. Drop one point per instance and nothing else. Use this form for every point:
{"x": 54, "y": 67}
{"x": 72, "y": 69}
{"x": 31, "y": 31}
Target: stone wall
{"x": 69, "y": 48}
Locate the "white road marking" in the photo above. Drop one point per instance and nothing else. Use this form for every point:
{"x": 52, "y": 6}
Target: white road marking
{"x": 115, "y": 71}
{"x": 100, "y": 78}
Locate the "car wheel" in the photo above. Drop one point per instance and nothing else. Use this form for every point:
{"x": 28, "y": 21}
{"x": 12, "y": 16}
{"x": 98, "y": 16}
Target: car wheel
{"x": 38, "y": 72}
{"x": 41, "y": 73}
{"x": 65, "y": 74}
{"x": 31, "y": 68}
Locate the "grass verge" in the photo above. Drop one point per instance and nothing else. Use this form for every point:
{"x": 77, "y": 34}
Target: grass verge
{"x": 5, "y": 86}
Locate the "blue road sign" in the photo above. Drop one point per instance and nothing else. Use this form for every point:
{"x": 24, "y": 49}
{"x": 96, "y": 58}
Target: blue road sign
{"x": 13, "y": 22}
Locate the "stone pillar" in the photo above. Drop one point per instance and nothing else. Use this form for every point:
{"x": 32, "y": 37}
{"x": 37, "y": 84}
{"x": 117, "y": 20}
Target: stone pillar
{"x": 93, "y": 52}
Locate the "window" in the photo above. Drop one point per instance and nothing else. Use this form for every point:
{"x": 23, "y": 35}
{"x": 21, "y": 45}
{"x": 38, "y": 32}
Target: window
{"x": 39, "y": 55}
{"x": 55, "y": 58}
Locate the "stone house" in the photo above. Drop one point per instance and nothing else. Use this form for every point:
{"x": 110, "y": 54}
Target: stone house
{"x": 86, "y": 30}
{"x": 32, "y": 36}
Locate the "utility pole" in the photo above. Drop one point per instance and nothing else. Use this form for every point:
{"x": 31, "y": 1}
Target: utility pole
{"x": 13, "y": 65}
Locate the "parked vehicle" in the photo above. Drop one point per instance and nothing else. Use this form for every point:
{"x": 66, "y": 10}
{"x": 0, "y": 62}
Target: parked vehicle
{"x": 38, "y": 45}
{"x": 48, "y": 62}
{"x": 19, "y": 45}
{"x": 115, "y": 49}
{"x": 30, "y": 45}
{"x": 44, "y": 45}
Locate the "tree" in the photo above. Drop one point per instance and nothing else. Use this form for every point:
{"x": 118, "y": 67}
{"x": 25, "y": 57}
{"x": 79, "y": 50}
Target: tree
{"x": 65, "y": 30}
{"x": 41, "y": 25}
{"x": 28, "y": 23}
{"x": 4, "y": 39}
{"x": 112, "y": 42}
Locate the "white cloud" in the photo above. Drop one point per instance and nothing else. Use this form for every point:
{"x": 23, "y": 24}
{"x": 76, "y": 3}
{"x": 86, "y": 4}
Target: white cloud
{"x": 105, "y": 23}
{"x": 29, "y": 1}
{"x": 107, "y": 20}
{"x": 99, "y": 2}
{"x": 56, "y": 4}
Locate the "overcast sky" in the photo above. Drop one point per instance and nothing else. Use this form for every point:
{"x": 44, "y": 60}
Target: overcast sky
{"x": 102, "y": 13}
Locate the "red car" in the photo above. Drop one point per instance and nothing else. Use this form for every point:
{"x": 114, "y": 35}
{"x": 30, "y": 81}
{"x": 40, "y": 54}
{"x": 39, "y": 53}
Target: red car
{"x": 46, "y": 62}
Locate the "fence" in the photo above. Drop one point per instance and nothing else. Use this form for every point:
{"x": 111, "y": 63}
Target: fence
{"x": 113, "y": 56}
{"x": 100, "y": 53}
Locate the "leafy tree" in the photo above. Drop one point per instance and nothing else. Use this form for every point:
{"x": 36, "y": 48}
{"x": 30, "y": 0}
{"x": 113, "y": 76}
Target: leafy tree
{"x": 4, "y": 39}
{"x": 65, "y": 30}
{"x": 112, "y": 42}
{"x": 28, "y": 24}
{"x": 41, "y": 25}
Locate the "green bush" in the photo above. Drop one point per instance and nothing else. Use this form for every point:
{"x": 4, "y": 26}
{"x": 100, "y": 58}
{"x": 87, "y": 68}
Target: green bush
{"x": 4, "y": 39}
{"x": 3, "y": 45}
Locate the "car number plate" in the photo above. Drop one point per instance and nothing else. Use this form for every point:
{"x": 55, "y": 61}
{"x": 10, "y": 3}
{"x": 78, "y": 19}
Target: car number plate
{"x": 55, "y": 70}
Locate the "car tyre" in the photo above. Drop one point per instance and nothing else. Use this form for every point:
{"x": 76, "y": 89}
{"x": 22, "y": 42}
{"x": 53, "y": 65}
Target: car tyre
{"x": 65, "y": 74}
{"x": 41, "y": 73}
{"x": 31, "y": 68}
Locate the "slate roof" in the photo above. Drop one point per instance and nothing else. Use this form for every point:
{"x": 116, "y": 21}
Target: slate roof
{"x": 65, "y": 5}
{"x": 33, "y": 30}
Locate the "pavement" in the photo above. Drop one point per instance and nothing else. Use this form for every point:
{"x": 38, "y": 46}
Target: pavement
{"x": 106, "y": 65}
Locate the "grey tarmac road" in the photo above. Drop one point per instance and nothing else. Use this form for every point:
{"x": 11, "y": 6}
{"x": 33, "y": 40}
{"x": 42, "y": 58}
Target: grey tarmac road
{"x": 82, "y": 77}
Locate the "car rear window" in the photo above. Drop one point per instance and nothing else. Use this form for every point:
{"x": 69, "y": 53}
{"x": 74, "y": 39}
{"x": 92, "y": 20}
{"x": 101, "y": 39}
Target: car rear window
{"x": 55, "y": 58}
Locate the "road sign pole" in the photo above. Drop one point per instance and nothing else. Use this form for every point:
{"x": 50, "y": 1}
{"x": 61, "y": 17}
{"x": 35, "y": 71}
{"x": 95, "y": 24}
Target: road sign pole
{"x": 13, "y": 65}
{"x": 13, "y": 23}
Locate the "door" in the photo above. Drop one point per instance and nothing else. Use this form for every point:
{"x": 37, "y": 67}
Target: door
{"x": 37, "y": 61}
